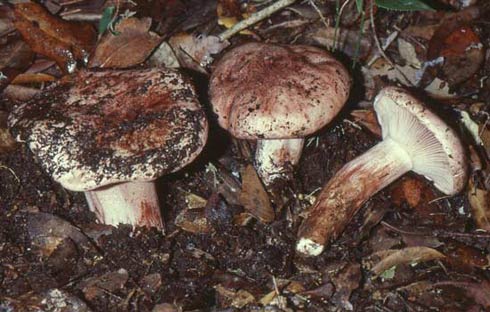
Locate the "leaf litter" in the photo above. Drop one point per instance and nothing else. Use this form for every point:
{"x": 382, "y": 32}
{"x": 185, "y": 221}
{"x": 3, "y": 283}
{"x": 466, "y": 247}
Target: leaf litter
{"x": 230, "y": 242}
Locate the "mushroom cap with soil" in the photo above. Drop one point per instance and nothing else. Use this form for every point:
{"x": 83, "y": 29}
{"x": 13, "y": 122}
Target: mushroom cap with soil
{"x": 277, "y": 94}
{"x": 110, "y": 133}
{"x": 414, "y": 139}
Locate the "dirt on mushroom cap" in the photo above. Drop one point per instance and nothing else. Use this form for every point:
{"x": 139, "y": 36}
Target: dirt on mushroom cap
{"x": 99, "y": 128}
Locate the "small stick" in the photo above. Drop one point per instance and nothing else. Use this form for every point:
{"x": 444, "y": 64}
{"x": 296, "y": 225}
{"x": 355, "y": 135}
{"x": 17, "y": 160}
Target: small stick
{"x": 255, "y": 18}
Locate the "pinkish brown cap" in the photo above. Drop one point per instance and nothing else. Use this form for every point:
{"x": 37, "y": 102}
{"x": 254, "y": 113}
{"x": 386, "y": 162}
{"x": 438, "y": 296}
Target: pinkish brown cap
{"x": 272, "y": 91}
{"x": 434, "y": 148}
{"x": 100, "y": 128}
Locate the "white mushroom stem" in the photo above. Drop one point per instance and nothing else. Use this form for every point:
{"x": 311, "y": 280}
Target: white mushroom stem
{"x": 345, "y": 193}
{"x": 275, "y": 158}
{"x": 134, "y": 203}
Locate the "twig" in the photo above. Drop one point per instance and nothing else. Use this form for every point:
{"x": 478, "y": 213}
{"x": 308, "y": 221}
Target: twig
{"x": 12, "y": 172}
{"x": 315, "y": 7}
{"x": 436, "y": 233}
{"x": 255, "y": 18}
{"x": 380, "y": 48}
{"x": 337, "y": 24}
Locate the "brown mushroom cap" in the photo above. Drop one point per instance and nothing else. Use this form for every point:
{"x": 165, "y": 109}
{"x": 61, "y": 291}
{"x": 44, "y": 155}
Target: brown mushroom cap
{"x": 271, "y": 91}
{"x": 100, "y": 128}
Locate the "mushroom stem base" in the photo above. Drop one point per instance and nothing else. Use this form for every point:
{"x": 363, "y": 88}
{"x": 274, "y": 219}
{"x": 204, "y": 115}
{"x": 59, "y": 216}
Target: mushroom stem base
{"x": 345, "y": 193}
{"x": 275, "y": 157}
{"x": 134, "y": 203}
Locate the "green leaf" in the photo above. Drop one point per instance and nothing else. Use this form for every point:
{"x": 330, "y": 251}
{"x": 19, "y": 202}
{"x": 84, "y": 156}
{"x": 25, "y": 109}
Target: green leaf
{"x": 106, "y": 19}
{"x": 359, "y": 4}
{"x": 403, "y": 5}
{"x": 388, "y": 274}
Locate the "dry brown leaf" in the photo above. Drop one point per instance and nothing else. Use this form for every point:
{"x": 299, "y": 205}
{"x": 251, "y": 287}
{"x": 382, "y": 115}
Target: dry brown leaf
{"x": 15, "y": 57}
{"x": 345, "y": 40}
{"x": 346, "y": 281}
{"x": 480, "y": 292}
{"x": 193, "y": 221}
{"x": 462, "y": 256}
{"x": 46, "y": 231}
{"x": 62, "y": 41}
{"x": 7, "y": 142}
{"x": 367, "y": 118}
{"x": 131, "y": 44}
{"x": 461, "y": 48}
{"x": 194, "y": 52}
{"x": 405, "y": 256}
{"x": 253, "y": 197}
{"x": 99, "y": 286}
{"x": 34, "y": 78}
{"x": 480, "y": 205}
{"x": 236, "y": 299}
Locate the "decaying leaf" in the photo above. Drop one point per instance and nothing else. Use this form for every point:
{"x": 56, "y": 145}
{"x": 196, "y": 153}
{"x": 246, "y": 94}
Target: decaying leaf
{"x": 253, "y": 197}
{"x": 462, "y": 256}
{"x": 131, "y": 44}
{"x": 194, "y": 51}
{"x": 461, "y": 49}
{"x": 237, "y": 299}
{"x": 164, "y": 56}
{"x": 367, "y": 118}
{"x": 404, "y": 256}
{"x": 99, "y": 286}
{"x": 193, "y": 221}
{"x": 7, "y": 142}
{"x": 33, "y": 78}
{"x": 62, "y": 41}
{"x": 15, "y": 57}
{"x": 479, "y": 292}
{"x": 346, "y": 281}
{"x": 345, "y": 40}
{"x": 54, "y": 299}
{"x": 480, "y": 205}
{"x": 47, "y": 231}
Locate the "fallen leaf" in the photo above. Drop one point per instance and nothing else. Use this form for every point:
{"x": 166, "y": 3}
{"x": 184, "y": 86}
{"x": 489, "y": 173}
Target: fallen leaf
{"x": 7, "y": 142}
{"x": 367, "y": 118}
{"x": 194, "y": 51}
{"x": 130, "y": 45}
{"x": 62, "y": 41}
{"x": 404, "y": 256}
{"x": 193, "y": 221}
{"x": 151, "y": 283}
{"x": 462, "y": 256}
{"x": 164, "y": 56}
{"x": 345, "y": 40}
{"x": 461, "y": 49}
{"x": 480, "y": 292}
{"x": 480, "y": 205}
{"x": 346, "y": 281}
{"x": 47, "y": 231}
{"x": 55, "y": 300}
{"x": 37, "y": 78}
{"x": 109, "y": 282}
{"x": 408, "y": 53}
{"x": 15, "y": 57}
{"x": 236, "y": 299}
{"x": 253, "y": 197}
{"x": 194, "y": 201}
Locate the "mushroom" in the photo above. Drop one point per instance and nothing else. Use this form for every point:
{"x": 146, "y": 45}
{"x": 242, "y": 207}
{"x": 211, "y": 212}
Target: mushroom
{"x": 277, "y": 95}
{"x": 111, "y": 133}
{"x": 414, "y": 139}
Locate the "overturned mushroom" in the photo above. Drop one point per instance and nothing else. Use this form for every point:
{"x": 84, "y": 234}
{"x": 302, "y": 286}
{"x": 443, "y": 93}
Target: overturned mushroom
{"x": 414, "y": 139}
{"x": 277, "y": 94}
{"x": 111, "y": 133}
